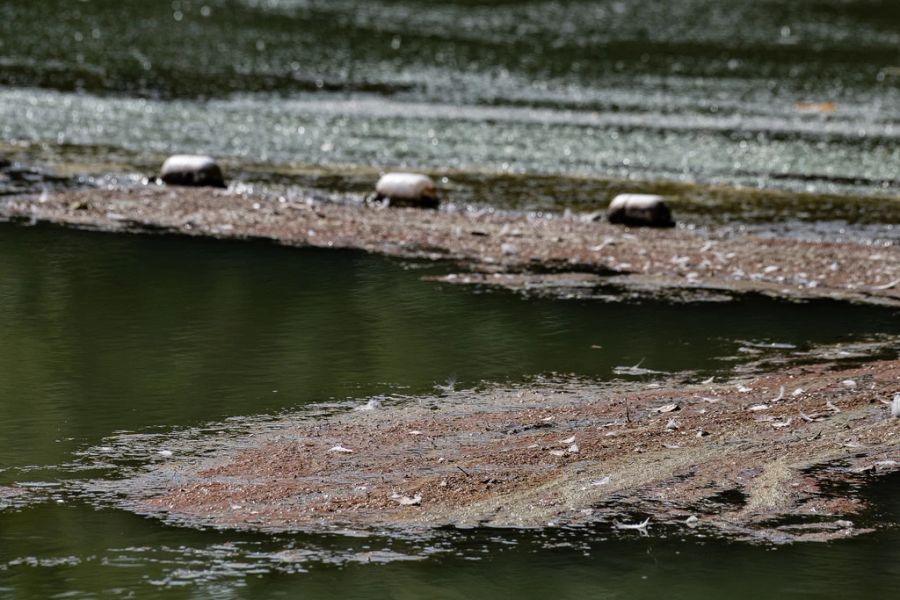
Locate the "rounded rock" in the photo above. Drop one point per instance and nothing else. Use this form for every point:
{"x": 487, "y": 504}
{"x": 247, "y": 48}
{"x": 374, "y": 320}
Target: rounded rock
{"x": 639, "y": 210}
{"x": 407, "y": 189}
{"x": 191, "y": 170}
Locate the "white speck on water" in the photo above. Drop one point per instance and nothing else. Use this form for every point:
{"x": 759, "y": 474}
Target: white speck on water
{"x": 641, "y": 527}
{"x": 372, "y": 404}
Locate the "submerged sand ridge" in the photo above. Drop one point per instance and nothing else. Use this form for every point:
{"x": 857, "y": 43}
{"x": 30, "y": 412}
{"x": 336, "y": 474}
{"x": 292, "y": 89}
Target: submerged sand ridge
{"x": 559, "y": 254}
{"x": 738, "y": 457}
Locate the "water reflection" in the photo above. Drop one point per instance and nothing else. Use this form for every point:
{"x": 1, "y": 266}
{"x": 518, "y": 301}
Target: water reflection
{"x": 107, "y": 332}
{"x": 121, "y": 554}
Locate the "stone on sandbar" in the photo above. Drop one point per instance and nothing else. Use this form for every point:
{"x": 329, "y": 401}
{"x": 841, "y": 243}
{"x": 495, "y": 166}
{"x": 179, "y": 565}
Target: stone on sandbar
{"x": 407, "y": 189}
{"x": 640, "y": 210}
{"x": 185, "y": 169}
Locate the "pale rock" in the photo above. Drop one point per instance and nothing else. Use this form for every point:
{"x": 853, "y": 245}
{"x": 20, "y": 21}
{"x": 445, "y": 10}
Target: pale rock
{"x": 191, "y": 170}
{"x": 639, "y": 210}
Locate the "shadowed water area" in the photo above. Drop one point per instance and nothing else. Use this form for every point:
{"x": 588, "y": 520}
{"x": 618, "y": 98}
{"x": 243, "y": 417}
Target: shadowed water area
{"x": 104, "y": 334}
{"x": 781, "y": 118}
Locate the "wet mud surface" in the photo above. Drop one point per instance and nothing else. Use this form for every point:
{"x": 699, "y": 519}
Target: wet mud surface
{"x": 563, "y": 255}
{"x": 771, "y": 456}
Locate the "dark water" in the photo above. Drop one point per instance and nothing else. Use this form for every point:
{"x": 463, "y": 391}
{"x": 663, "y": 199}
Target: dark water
{"x": 103, "y": 333}
{"x": 532, "y": 105}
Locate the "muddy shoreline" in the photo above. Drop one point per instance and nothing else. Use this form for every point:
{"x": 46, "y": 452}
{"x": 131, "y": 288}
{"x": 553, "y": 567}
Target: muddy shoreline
{"x": 562, "y": 255}
{"x": 768, "y": 457}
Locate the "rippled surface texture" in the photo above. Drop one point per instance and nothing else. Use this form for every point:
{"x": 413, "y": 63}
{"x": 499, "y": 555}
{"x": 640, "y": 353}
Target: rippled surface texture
{"x": 800, "y": 95}
{"x": 516, "y": 104}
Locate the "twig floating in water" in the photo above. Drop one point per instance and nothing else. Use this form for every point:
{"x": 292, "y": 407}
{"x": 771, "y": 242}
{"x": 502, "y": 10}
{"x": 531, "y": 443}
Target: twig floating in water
{"x": 372, "y": 404}
{"x": 642, "y": 526}
{"x": 447, "y": 387}
{"x": 635, "y": 370}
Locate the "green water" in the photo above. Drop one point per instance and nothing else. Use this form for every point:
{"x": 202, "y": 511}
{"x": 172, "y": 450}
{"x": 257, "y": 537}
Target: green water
{"x": 518, "y": 104}
{"x": 103, "y": 334}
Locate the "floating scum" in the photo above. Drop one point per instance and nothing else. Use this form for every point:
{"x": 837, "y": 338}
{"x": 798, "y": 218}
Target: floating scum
{"x": 554, "y": 254}
{"x": 554, "y": 452}
{"x": 529, "y": 455}
{"x": 803, "y": 99}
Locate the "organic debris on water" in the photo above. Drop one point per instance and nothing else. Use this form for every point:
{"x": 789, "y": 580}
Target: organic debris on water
{"x": 563, "y": 451}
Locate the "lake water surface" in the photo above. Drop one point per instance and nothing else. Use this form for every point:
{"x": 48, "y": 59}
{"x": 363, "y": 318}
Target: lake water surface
{"x": 104, "y": 334}
{"x": 781, "y": 118}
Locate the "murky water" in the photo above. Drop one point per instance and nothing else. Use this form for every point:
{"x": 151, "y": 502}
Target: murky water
{"x": 103, "y": 334}
{"x": 532, "y": 105}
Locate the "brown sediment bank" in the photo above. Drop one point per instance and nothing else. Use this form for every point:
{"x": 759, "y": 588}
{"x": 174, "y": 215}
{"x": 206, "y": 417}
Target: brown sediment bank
{"x": 559, "y": 254}
{"x": 735, "y": 457}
